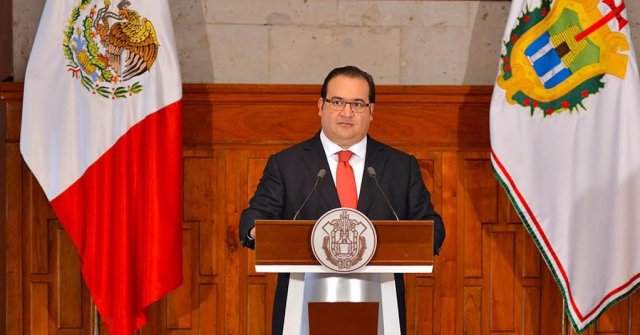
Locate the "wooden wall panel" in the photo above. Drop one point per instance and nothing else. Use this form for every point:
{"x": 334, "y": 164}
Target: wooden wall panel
{"x": 261, "y": 287}
{"x": 423, "y": 321}
{"x": 256, "y": 308}
{"x": 39, "y": 308}
{"x": 39, "y": 235}
{"x": 3, "y": 214}
{"x": 634, "y": 311}
{"x": 449, "y": 309}
{"x": 181, "y": 302}
{"x": 530, "y": 311}
{"x": 479, "y": 208}
{"x": 489, "y": 277}
{"x": 472, "y": 310}
{"x": 200, "y": 177}
{"x": 500, "y": 279}
{"x": 612, "y": 320}
{"x": 208, "y": 309}
{"x": 551, "y": 314}
{"x": 15, "y": 311}
{"x": 68, "y": 278}
{"x": 420, "y": 289}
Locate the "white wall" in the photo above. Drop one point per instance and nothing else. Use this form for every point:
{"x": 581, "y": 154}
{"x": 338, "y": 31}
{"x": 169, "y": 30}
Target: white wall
{"x": 299, "y": 41}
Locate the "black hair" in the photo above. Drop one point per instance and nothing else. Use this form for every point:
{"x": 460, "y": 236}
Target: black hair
{"x": 353, "y": 72}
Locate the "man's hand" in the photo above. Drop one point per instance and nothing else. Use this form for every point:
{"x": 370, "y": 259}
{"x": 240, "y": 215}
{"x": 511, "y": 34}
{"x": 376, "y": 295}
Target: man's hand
{"x": 252, "y": 233}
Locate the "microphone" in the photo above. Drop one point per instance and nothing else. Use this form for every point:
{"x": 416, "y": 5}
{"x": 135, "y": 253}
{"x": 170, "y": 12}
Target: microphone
{"x": 372, "y": 173}
{"x": 319, "y": 177}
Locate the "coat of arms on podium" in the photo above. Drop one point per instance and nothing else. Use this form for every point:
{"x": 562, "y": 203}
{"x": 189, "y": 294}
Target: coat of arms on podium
{"x": 343, "y": 240}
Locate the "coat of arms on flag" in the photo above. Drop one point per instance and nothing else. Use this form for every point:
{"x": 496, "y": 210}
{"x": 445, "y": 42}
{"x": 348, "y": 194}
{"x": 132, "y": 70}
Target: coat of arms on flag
{"x": 557, "y": 56}
{"x": 565, "y": 128}
{"x": 96, "y": 41}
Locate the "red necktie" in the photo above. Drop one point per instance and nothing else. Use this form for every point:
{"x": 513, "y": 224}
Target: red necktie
{"x": 346, "y": 181}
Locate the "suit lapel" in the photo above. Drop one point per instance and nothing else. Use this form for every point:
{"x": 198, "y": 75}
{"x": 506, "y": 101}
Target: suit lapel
{"x": 315, "y": 160}
{"x": 368, "y": 190}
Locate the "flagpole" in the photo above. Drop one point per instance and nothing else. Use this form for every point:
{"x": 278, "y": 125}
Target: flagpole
{"x": 96, "y": 321}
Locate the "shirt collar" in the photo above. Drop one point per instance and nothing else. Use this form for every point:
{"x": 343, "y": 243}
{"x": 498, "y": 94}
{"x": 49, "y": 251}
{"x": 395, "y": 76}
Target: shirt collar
{"x": 330, "y": 148}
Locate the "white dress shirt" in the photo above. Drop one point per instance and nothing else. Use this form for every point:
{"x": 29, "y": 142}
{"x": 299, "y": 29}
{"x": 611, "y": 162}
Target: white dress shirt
{"x": 356, "y": 161}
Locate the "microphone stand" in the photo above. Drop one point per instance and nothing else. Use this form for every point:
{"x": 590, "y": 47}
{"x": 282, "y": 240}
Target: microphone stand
{"x": 319, "y": 177}
{"x": 372, "y": 173}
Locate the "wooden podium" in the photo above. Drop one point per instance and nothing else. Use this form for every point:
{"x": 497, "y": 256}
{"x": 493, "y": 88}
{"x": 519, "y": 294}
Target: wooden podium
{"x": 284, "y": 246}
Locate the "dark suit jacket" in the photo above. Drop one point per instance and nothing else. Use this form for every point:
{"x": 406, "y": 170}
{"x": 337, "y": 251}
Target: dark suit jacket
{"x": 290, "y": 174}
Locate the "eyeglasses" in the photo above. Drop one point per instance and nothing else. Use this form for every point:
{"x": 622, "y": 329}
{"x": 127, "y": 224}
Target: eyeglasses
{"x": 339, "y": 104}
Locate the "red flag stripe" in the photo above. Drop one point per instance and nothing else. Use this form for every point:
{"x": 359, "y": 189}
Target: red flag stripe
{"x": 124, "y": 215}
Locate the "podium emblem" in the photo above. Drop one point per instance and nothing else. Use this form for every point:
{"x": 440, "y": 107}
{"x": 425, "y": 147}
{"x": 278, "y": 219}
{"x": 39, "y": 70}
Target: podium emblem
{"x": 343, "y": 240}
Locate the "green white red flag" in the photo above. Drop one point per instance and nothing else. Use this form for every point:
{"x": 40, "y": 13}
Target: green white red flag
{"x": 101, "y": 131}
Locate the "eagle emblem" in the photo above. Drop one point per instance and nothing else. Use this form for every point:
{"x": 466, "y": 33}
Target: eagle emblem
{"x": 558, "y": 54}
{"x": 107, "y": 47}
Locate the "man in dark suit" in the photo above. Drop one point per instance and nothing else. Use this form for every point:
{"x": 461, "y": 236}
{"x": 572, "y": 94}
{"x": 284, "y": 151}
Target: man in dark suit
{"x": 345, "y": 109}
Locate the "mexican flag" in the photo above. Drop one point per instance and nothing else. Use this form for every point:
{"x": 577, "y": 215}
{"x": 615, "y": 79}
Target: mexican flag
{"x": 565, "y": 141}
{"x": 101, "y": 132}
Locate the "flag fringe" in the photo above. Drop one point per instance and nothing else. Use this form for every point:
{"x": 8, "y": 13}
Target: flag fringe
{"x": 578, "y": 322}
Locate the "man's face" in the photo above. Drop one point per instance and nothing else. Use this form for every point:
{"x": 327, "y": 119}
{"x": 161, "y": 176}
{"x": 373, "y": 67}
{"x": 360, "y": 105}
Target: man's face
{"x": 345, "y": 127}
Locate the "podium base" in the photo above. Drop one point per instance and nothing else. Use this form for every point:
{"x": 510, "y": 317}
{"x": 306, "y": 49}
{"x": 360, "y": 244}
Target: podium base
{"x": 343, "y": 318}
{"x": 335, "y": 287}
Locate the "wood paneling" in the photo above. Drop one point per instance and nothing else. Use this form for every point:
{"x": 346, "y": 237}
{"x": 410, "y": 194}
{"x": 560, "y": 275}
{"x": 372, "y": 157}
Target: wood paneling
{"x": 68, "y": 278}
{"x": 488, "y": 279}
{"x": 39, "y": 308}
